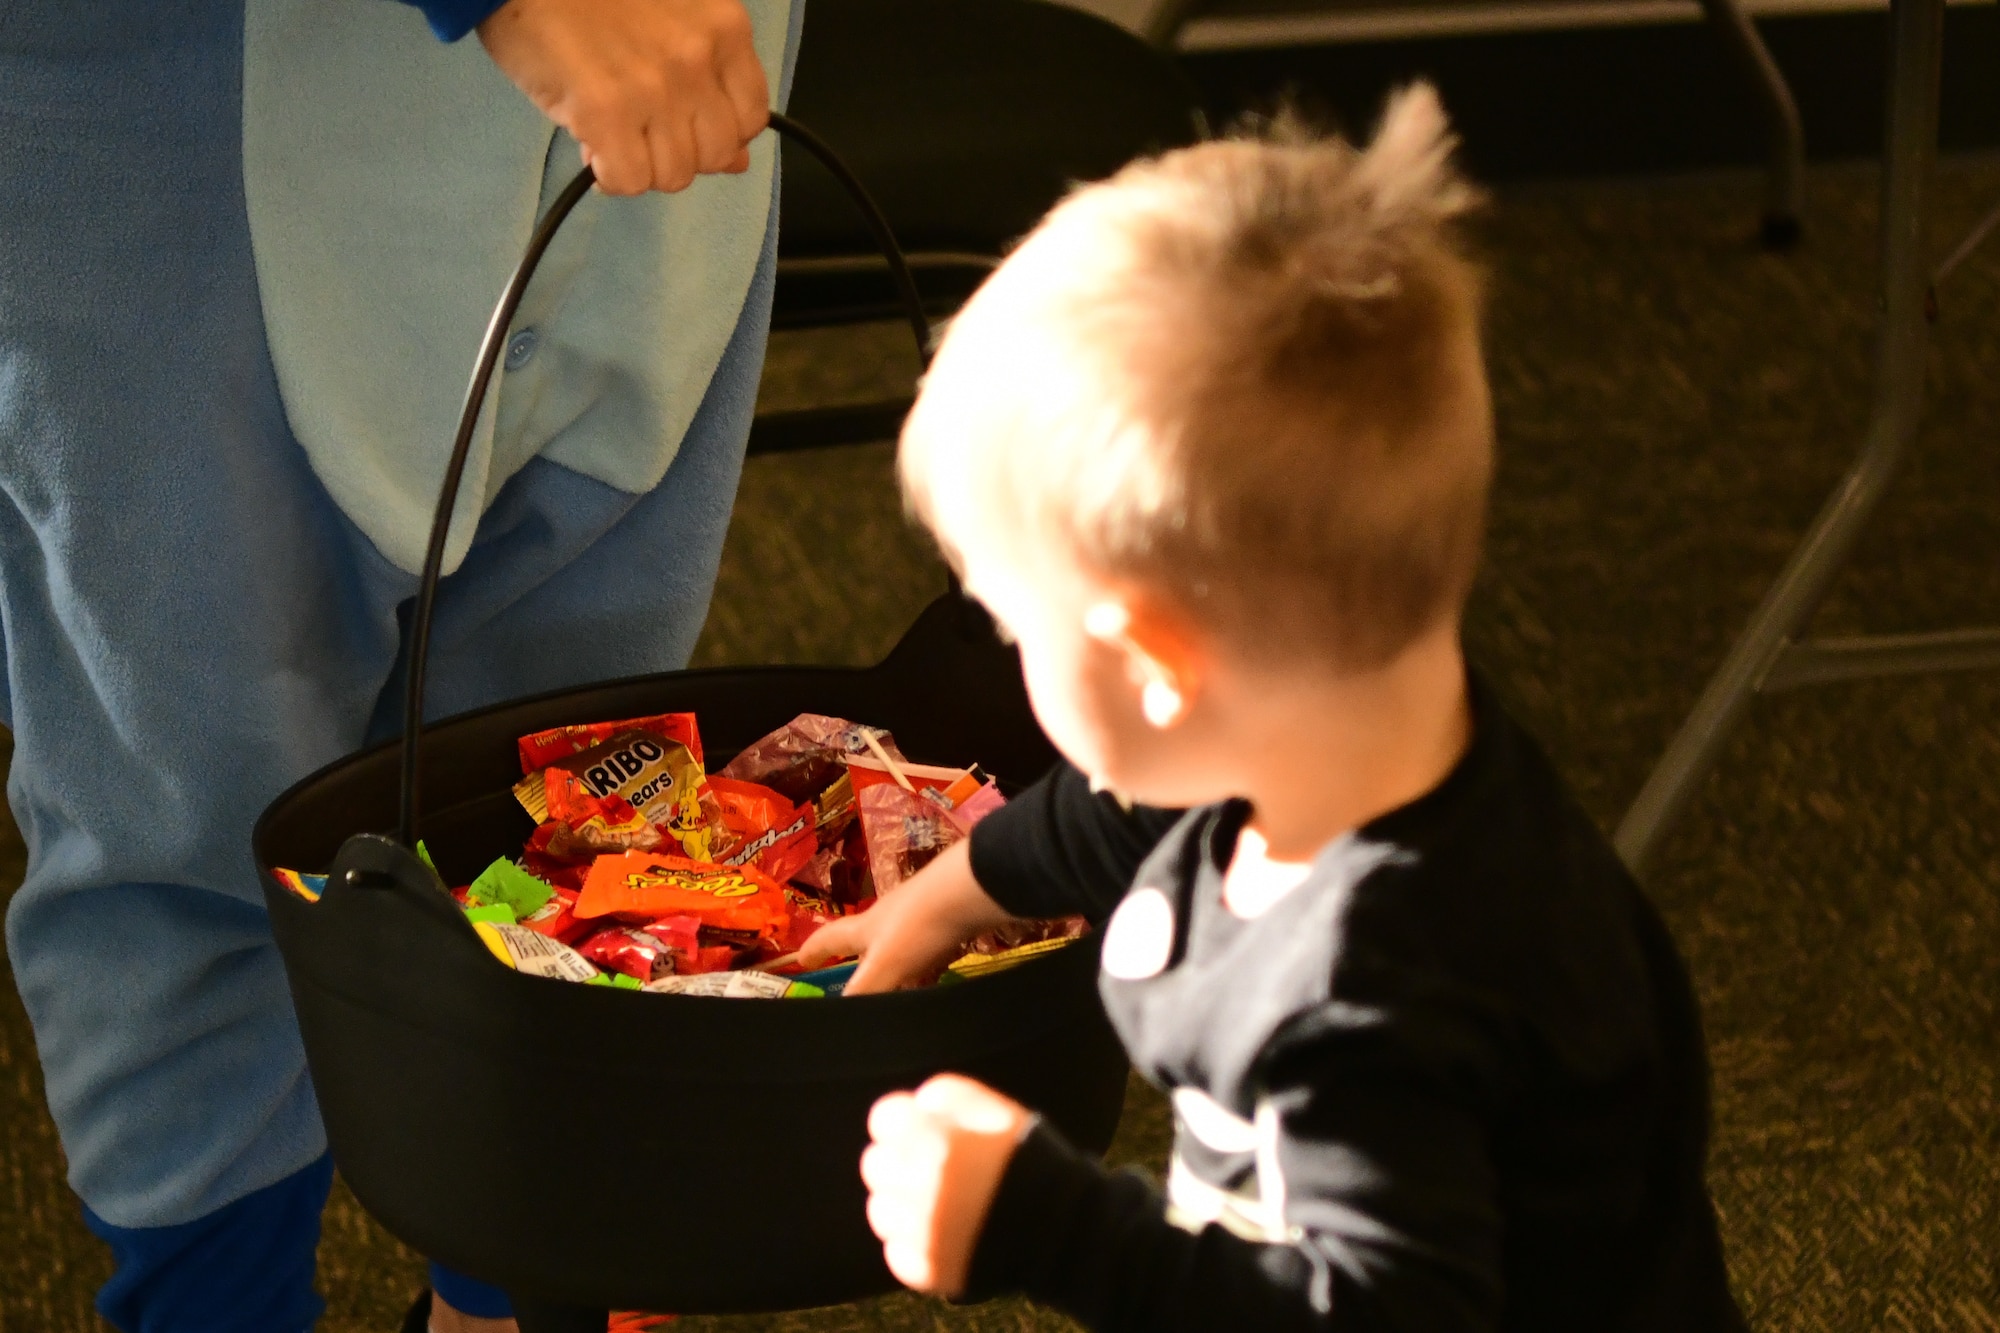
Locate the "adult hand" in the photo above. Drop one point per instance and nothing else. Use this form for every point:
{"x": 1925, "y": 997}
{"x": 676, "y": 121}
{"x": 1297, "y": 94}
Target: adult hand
{"x": 932, "y": 1169}
{"x": 912, "y": 932}
{"x": 656, "y": 91}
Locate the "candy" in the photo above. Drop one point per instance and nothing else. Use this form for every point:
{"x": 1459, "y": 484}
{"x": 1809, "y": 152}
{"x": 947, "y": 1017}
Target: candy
{"x": 553, "y": 871}
{"x": 581, "y": 826}
{"x": 765, "y": 828}
{"x": 830, "y": 980}
{"x": 646, "y": 886}
{"x": 308, "y": 887}
{"x": 808, "y": 913}
{"x": 911, "y": 812}
{"x": 537, "y": 955}
{"x": 803, "y": 758}
{"x": 505, "y": 882}
{"x": 968, "y": 810}
{"x": 904, "y": 833}
{"x": 681, "y": 935}
{"x": 737, "y": 986}
{"x": 985, "y": 964}
{"x": 1015, "y": 934}
{"x": 661, "y": 780}
{"x": 558, "y": 743}
{"x": 556, "y": 918}
{"x": 633, "y": 952}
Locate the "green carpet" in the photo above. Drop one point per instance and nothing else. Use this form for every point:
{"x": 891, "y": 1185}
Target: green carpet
{"x": 1673, "y": 407}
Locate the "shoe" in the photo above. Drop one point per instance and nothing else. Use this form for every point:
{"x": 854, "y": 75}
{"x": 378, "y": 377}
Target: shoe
{"x": 418, "y": 1320}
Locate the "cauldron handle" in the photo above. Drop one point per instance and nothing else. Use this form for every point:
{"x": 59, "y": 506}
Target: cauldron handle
{"x": 418, "y": 657}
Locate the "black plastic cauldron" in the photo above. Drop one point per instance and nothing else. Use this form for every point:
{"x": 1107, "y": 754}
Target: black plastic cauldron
{"x": 590, "y": 1149}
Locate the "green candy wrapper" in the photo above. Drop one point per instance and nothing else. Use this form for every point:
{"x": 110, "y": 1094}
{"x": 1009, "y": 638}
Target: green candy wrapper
{"x": 505, "y": 882}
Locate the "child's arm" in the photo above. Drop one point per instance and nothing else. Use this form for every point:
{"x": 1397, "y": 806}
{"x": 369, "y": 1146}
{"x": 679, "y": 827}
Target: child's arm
{"x": 1056, "y": 849}
{"x": 1389, "y": 1192}
{"x": 1060, "y": 848}
{"x": 909, "y": 934}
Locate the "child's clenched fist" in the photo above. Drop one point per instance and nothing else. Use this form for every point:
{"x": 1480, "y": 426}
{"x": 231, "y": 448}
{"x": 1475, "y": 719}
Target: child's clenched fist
{"x": 932, "y": 1170}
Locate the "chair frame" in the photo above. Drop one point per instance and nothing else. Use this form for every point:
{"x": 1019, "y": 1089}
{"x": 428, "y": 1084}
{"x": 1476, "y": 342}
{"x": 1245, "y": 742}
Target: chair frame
{"x": 1784, "y": 134}
{"x": 1769, "y": 655}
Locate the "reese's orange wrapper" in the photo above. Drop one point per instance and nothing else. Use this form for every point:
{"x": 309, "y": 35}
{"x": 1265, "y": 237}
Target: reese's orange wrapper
{"x": 645, "y": 886}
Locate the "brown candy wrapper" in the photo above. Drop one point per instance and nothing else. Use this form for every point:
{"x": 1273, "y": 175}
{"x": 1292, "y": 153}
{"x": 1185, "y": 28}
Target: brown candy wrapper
{"x": 808, "y": 755}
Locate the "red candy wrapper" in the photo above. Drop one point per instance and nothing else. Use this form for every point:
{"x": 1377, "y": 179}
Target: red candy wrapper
{"x": 647, "y": 886}
{"x": 681, "y": 935}
{"x": 558, "y": 743}
{"x": 553, "y": 871}
{"x": 661, "y": 780}
{"x": 765, "y": 828}
{"x": 581, "y": 826}
{"x": 557, "y": 919}
{"x": 809, "y": 913}
{"x": 633, "y": 952}
{"x": 713, "y": 958}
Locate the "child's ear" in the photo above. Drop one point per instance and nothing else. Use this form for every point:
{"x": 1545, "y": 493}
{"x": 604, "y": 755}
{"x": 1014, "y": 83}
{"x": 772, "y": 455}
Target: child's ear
{"x": 1164, "y": 655}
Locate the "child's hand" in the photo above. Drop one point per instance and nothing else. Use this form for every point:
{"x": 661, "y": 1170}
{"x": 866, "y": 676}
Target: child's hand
{"x": 932, "y": 1169}
{"x": 911, "y": 933}
{"x": 656, "y": 91}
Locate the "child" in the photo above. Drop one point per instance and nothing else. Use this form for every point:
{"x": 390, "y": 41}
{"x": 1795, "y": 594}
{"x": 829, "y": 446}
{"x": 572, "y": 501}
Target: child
{"x": 1214, "y": 445}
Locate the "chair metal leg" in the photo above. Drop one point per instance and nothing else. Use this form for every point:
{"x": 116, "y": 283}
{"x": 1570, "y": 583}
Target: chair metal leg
{"x": 1917, "y": 37}
{"x": 1784, "y": 135}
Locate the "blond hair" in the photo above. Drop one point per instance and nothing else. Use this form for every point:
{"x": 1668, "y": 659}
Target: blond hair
{"x": 1244, "y": 373}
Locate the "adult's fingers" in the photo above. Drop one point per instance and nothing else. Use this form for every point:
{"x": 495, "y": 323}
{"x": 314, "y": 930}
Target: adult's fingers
{"x": 713, "y": 129}
{"x": 675, "y": 159}
{"x": 619, "y": 155}
{"x": 748, "y": 92}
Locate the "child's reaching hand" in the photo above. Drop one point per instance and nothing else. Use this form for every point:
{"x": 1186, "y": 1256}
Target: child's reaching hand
{"x": 932, "y": 1170}
{"x": 910, "y": 934}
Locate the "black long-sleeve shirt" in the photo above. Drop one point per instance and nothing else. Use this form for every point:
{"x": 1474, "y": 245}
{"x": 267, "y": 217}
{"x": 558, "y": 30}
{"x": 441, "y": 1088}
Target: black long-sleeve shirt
{"x": 1453, "y": 1081}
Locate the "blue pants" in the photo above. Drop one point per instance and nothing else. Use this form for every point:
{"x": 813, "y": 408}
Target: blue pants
{"x": 189, "y": 624}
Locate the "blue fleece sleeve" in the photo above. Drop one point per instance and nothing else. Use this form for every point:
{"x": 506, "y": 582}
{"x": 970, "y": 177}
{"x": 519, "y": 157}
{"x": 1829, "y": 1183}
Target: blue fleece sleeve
{"x": 452, "y": 19}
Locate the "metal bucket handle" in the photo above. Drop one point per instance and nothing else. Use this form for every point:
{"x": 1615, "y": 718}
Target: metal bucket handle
{"x": 482, "y": 376}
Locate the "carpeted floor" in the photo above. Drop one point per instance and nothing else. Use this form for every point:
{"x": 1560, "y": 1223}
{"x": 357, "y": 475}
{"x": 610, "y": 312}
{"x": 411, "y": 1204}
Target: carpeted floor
{"x": 1673, "y": 408}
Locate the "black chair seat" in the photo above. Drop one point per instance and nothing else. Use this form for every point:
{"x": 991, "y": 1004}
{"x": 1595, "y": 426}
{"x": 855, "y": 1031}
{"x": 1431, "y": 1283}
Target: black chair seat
{"x": 966, "y": 119}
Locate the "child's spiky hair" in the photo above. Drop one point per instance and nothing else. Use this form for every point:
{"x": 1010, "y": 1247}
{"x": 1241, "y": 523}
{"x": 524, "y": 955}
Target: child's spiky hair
{"x": 1245, "y": 373}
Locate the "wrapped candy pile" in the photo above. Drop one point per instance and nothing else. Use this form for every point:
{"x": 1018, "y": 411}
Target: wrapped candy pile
{"x": 646, "y": 872}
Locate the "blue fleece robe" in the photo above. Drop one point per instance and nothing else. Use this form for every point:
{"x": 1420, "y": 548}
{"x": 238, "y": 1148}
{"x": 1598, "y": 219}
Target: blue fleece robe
{"x": 190, "y": 622}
